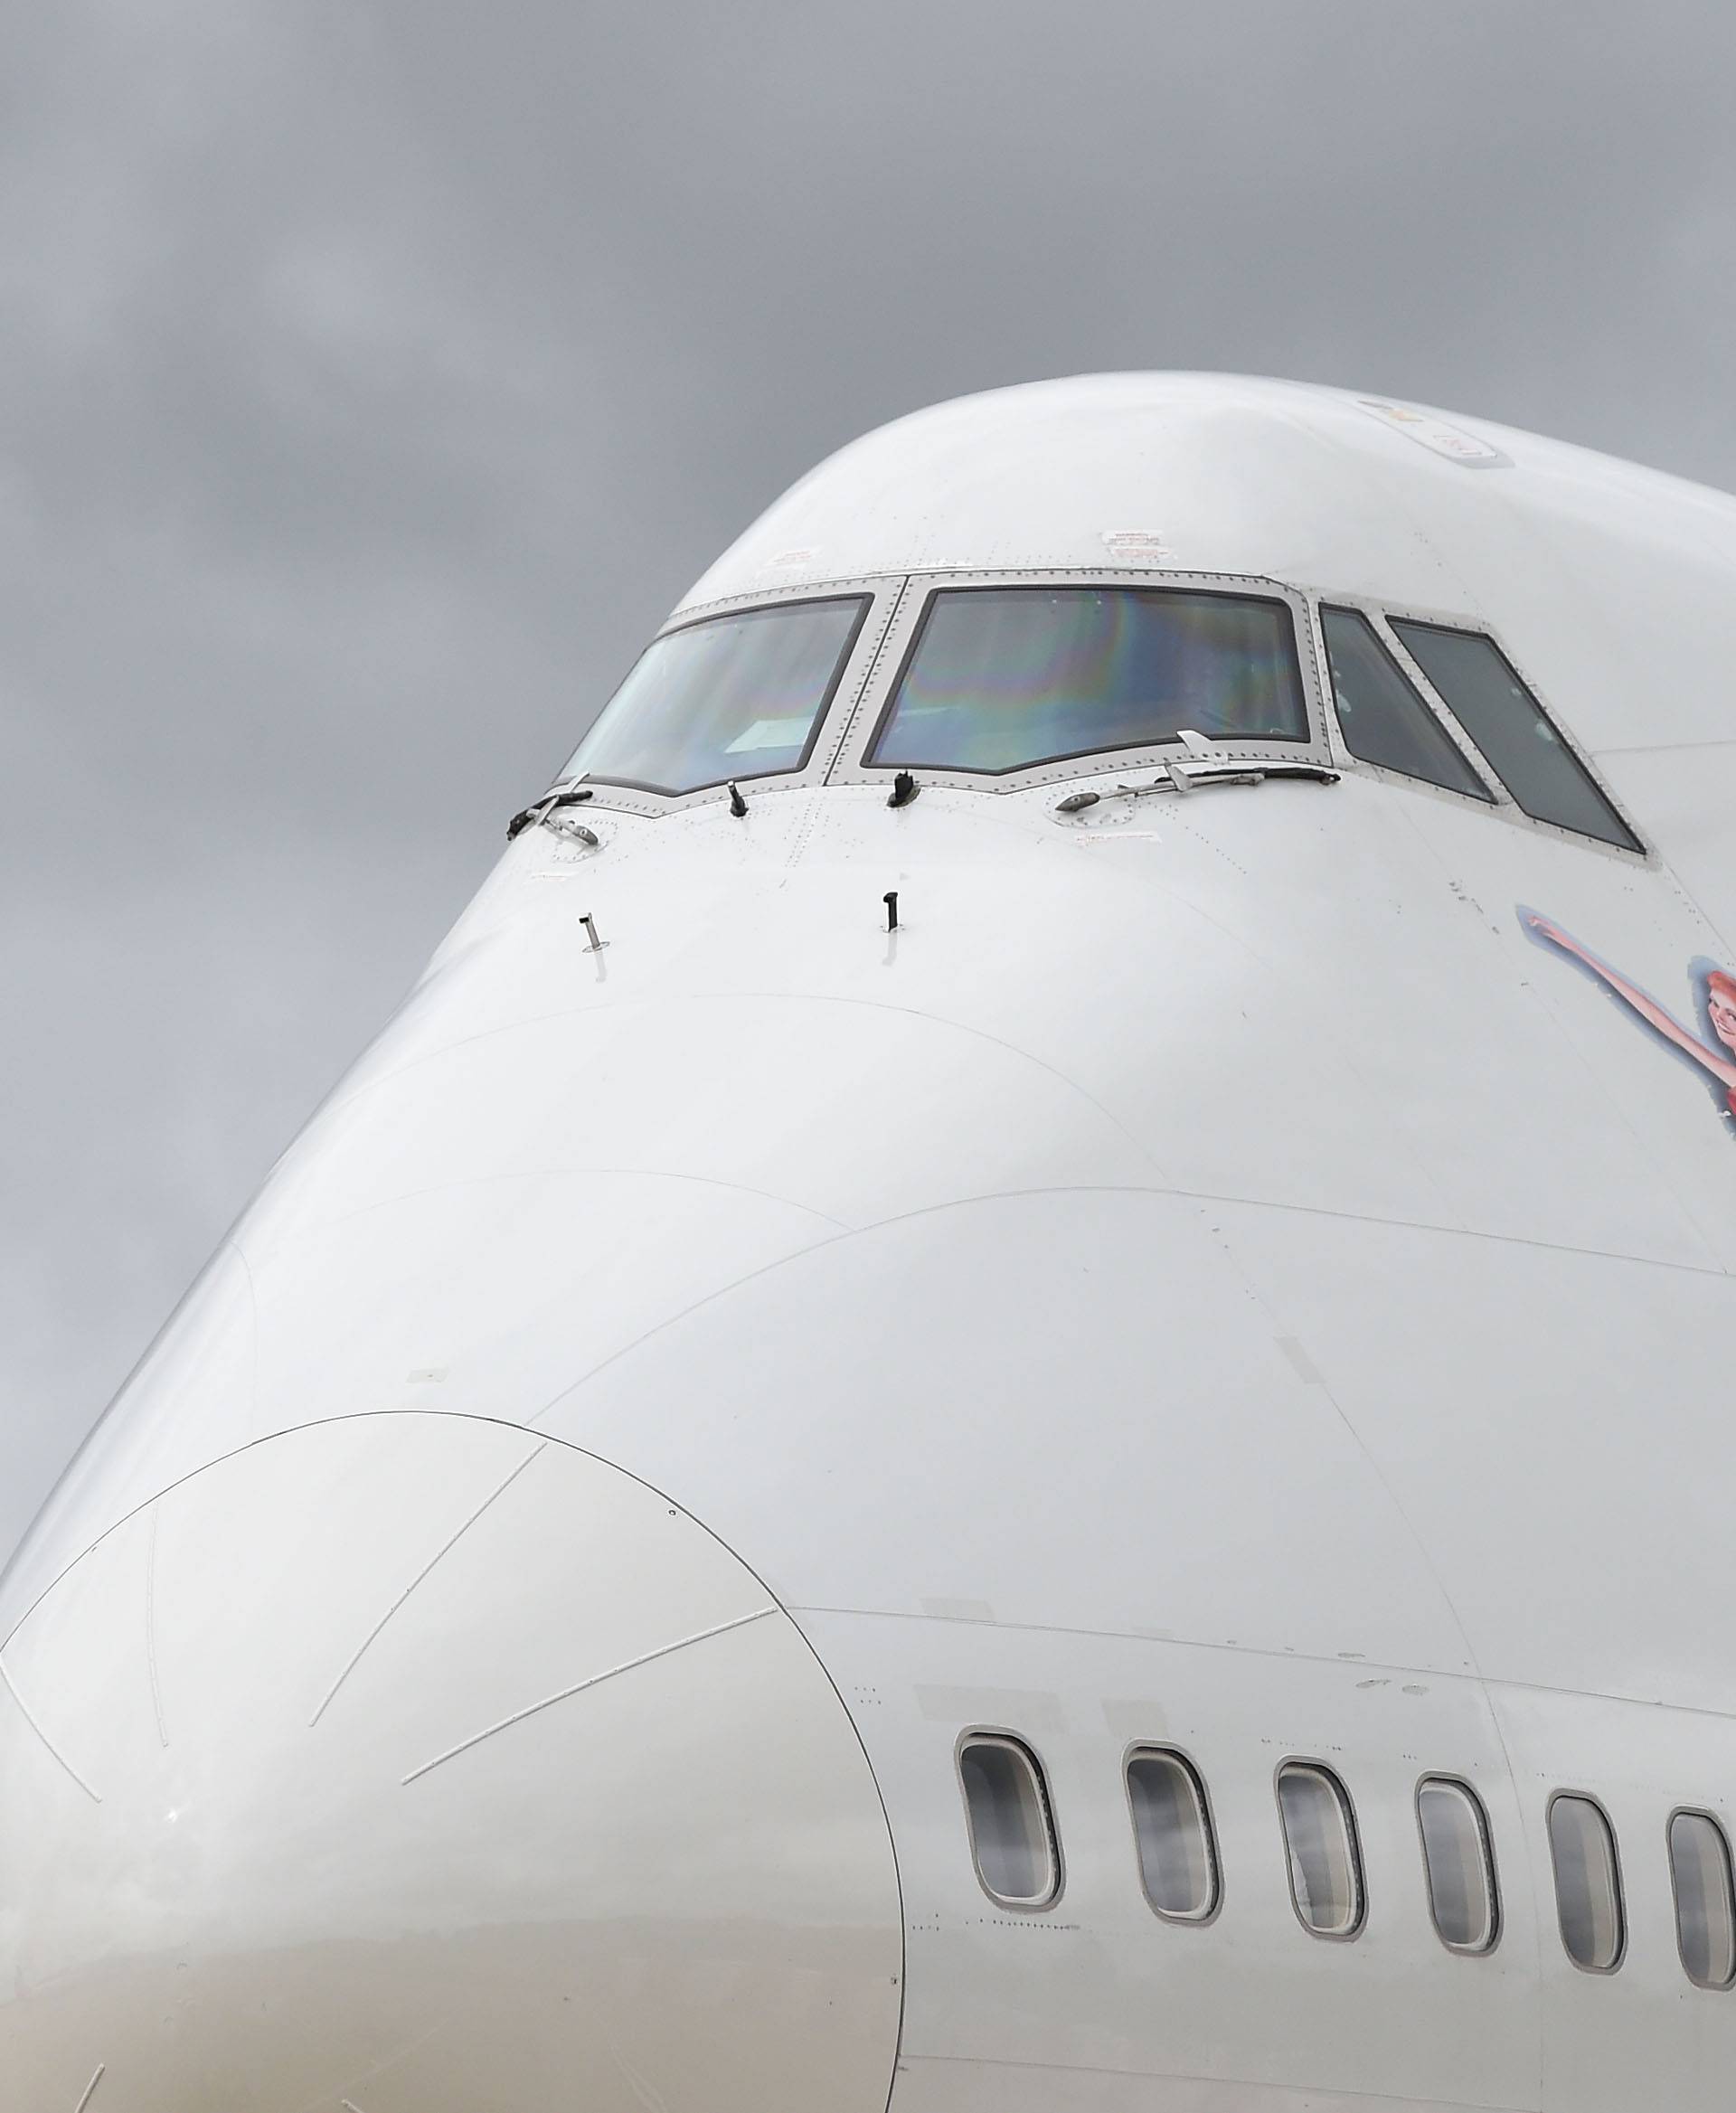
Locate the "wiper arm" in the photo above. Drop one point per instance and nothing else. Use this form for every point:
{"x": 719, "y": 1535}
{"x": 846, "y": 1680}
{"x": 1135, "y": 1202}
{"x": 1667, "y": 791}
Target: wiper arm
{"x": 567, "y": 795}
{"x": 1204, "y": 765}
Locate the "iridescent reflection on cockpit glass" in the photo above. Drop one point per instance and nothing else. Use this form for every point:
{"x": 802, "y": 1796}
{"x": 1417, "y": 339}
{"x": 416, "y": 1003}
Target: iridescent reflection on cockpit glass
{"x": 1002, "y": 678}
{"x": 739, "y": 696}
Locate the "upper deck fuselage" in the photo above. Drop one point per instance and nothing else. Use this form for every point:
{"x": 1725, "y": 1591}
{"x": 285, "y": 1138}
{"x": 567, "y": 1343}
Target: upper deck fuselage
{"x": 1206, "y": 1275}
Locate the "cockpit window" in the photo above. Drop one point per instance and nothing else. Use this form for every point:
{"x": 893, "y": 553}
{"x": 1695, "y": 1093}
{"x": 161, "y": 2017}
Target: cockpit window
{"x": 736, "y": 696}
{"x": 1002, "y": 679}
{"x": 1382, "y": 719}
{"x": 1482, "y": 689}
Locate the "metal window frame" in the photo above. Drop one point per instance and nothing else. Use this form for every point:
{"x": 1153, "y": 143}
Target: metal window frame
{"x": 851, "y": 767}
{"x": 1387, "y": 613}
{"x": 1701, "y": 1812}
{"x": 999, "y": 1735}
{"x": 1597, "y": 1806}
{"x": 890, "y": 623}
{"x": 1157, "y": 1750}
{"x": 1491, "y": 1877}
{"x": 1353, "y": 1835}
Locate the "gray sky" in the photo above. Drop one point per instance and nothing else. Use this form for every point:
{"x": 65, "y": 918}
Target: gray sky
{"x": 373, "y": 377}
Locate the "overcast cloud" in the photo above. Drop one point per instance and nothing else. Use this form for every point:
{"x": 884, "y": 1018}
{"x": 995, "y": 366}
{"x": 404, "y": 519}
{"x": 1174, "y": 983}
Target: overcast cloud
{"x": 373, "y": 377}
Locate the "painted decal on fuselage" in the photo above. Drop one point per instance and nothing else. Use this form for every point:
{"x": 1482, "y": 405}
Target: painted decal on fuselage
{"x": 1711, "y": 1052}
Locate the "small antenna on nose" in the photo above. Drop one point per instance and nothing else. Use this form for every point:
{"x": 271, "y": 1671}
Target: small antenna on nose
{"x": 904, "y": 790}
{"x": 589, "y": 923}
{"x": 738, "y": 805}
{"x": 890, "y": 900}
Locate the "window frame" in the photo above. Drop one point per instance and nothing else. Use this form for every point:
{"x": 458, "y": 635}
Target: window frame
{"x": 999, "y": 1735}
{"x": 1353, "y": 1831}
{"x": 897, "y": 604}
{"x": 1383, "y": 615}
{"x": 1701, "y": 1812}
{"x": 1493, "y": 795}
{"x": 1143, "y": 1748}
{"x": 1599, "y": 1806}
{"x": 904, "y": 632}
{"x": 1491, "y": 1875}
{"x": 881, "y": 592}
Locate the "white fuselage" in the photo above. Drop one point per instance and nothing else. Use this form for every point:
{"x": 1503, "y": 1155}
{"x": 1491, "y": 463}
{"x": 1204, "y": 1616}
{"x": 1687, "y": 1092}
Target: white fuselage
{"x": 1208, "y": 1279}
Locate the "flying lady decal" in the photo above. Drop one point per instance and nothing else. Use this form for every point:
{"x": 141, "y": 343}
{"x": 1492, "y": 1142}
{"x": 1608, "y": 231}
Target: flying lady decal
{"x": 1712, "y": 1051}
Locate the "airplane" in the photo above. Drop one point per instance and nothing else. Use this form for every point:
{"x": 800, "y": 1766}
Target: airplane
{"x": 1009, "y": 1392}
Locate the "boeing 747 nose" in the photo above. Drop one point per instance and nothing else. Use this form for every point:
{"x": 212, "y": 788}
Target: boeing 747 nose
{"x": 417, "y": 1761}
{"x": 1008, "y": 1394}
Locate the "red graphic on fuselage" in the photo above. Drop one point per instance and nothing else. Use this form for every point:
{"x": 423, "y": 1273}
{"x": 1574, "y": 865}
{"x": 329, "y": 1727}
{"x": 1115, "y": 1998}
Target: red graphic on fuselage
{"x": 1712, "y": 1053}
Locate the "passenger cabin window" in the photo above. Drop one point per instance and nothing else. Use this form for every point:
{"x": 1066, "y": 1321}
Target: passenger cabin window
{"x": 736, "y": 696}
{"x": 1320, "y": 1834}
{"x": 1012, "y": 1832}
{"x": 1706, "y": 1915}
{"x": 1005, "y": 678}
{"x": 1588, "y": 1883}
{"x": 1382, "y": 718}
{"x": 1481, "y": 688}
{"x": 1172, "y": 1829}
{"x": 1458, "y": 1862}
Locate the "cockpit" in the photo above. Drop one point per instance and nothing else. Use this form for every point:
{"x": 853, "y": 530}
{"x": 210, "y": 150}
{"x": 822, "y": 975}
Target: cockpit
{"x": 1003, "y": 683}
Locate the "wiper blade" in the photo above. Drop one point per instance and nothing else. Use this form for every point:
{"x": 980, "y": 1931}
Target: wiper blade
{"x": 567, "y": 795}
{"x": 1204, "y": 764}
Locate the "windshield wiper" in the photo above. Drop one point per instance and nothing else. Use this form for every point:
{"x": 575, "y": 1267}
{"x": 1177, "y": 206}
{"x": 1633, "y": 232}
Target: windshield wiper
{"x": 1203, "y": 765}
{"x": 567, "y": 795}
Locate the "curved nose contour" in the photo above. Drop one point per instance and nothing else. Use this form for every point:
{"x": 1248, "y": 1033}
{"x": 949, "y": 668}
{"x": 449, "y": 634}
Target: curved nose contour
{"x": 415, "y": 1763}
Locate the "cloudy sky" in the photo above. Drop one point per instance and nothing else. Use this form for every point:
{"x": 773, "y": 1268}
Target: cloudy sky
{"x": 373, "y": 377}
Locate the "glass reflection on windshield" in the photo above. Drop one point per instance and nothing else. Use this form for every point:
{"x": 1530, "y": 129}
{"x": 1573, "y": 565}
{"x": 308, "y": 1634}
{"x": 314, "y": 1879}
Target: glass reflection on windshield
{"x": 736, "y": 696}
{"x": 1003, "y": 678}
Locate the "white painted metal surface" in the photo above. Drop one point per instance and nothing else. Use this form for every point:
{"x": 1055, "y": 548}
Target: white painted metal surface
{"x": 424, "y": 1760}
{"x": 1211, "y": 1277}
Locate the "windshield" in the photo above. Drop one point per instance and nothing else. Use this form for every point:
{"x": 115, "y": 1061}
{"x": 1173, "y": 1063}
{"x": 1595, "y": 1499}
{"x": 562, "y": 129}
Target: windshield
{"x": 738, "y": 696}
{"x": 1002, "y": 678}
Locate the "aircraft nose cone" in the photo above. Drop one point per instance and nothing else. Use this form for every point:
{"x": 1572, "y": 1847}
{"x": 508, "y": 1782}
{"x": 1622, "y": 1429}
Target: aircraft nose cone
{"x": 415, "y": 1764}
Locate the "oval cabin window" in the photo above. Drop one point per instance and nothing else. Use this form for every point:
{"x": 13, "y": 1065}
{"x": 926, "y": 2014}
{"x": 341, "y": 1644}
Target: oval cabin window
{"x": 1172, "y": 1829}
{"x": 1011, "y": 1834}
{"x": 1706, "y": 1919}
{"x": 1458, "y": 1862}
{"x": 1320, "y": 1836}
{"x": 1588, "y": 1883}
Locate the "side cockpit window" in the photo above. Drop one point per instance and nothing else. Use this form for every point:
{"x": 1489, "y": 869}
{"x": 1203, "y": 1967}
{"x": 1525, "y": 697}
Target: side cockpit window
{"x": 1483, "y": 691}
{"x": 735, "y": 696}
{"x": 1005, "y": 678}
{"x": 1382, "y": 718}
